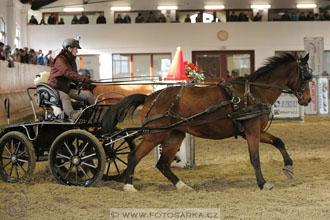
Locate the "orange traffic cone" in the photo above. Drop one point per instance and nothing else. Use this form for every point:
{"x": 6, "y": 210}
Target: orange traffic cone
{"x": 177, "y": 71}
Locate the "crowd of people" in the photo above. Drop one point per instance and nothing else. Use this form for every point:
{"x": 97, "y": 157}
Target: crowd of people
{"x": 302, "y": 17}
{"x": 25, "y": 55}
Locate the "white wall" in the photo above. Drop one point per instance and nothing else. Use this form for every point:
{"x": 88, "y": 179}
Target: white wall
{"x": 263, "y": 37}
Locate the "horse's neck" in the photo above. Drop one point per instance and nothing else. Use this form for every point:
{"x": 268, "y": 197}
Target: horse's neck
{"x": 277, "y": 78}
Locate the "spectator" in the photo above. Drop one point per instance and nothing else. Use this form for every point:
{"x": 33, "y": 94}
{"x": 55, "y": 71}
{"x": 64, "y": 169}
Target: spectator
{"x": 7, "y": 54}
{"x": 33, "y": 20}
{"x": 242, "y": 17}
{"x": 139, "y": 18}
{"x": 118, "y": 19}
{"x": 101, "y": 19}
{"x": 294, "y": 17}
{"x": 162, "y": 19}
{"x": 187, "y": 19}
{"x": 17, "y": 55}
{"x": 199, "y": 18}
{"x": 52, "y": 19}
{"x": 24, "y": 56}
{"x": 32, "y": 58}
{"x": 40, "y": 58}
{"x": 83, "y": 19}
{"x": 2, "y": 45}
{"x": 127, "y": 19}
{"x": 326, "y": 16}
{"x": 285, "y": 17}
{"x": 232, "y": 17}
{"x": 151, "y": 18}
{"x": 48, "y": 58}
{"x": 317, "y": 17}
{"x": 302, "y": 17}
{"x": 61, "y": 21}
{"x": 42, "y": 22}
{"x": 310, "y": 16}
{"x": 75, "y": 20}
{"x": 257, "y": 17}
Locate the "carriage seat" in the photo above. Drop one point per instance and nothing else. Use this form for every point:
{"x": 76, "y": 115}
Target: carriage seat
{"x": 47, "y": 96}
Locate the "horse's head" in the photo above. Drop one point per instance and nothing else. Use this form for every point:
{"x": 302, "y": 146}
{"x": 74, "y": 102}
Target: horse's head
{"x": 300, "y": 85}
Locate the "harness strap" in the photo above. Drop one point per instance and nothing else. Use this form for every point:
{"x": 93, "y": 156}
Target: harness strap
{"x": 229, "y": 89}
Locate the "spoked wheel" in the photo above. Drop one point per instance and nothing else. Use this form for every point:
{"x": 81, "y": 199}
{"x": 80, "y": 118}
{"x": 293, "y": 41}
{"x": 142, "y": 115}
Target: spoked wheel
{"x": 117, "y": 154}
{"x": 76, "y": 157}
{"x": 18, "y": 158}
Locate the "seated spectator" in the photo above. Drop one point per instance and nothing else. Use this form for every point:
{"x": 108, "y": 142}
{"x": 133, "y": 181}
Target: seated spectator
{"x": 40, "y": 58}
{"x": 151, "y": 18}
{"x": 127, "y": 19}
{"x": 257, "y": 17}
{"x": 232, "y": 17}
{"x": 7, "y": 54}
{"x": 242, "y": 17}
{"x": 285, "y": 17}
{"x": 42, "y": 22}
{"x": 16, "y": 55}
{"x": 83, "y": 19}
{"x": 162, "y": 18}
{"x": 101, "y": 19}
{"x": 199, "y": 18}
{"x": 2, "y": 45}
{"x": 302, "y": 17}
{"x": 326, "y": 16}
{"x": 119, "y": 19}
{"x": 310, "y": 16}
{"x": 32, "y": 57}
{"x": 61, "y": 21}
{"x": 294, "y": 17}
{"x": 48, "y": 58}
{"x": 33, "y": 20}
{"x": 75, "y": 20}
{"x": 187, "y": 19}
{"x": 52, "y": 19}
{"x": 139, "y": 18}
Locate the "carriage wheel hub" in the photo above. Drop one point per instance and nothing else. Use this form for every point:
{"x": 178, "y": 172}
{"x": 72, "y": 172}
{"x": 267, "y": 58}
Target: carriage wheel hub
{"x": 13, "y": 159}
{"x": 76, "y": 161}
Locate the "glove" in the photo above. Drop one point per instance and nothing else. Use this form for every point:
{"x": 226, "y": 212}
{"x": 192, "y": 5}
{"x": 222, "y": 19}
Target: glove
{"x": 87, "y": 84}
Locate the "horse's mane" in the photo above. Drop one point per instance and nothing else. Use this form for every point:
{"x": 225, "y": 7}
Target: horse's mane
{"x": 270, "y": 64}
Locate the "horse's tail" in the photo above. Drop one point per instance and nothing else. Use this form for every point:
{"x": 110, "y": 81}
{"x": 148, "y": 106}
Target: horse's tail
{"x": 118, "y": 112}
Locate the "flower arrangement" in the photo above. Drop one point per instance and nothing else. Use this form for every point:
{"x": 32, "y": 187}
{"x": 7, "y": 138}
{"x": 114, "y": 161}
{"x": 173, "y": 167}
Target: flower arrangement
{"x": 193, "y": 72}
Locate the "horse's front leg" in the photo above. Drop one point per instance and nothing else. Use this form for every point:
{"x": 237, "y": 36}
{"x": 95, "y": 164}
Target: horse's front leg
{"x": 278, "y": 143}
{"x": 253, "y": 138}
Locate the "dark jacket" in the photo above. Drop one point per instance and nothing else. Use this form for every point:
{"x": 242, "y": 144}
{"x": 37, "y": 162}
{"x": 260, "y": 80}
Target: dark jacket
{"x": 64, "y": 71}
{"x": 101, "y": 20}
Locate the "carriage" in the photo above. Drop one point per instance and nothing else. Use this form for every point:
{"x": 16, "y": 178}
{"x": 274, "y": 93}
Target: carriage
{"x": 78, "y": 152}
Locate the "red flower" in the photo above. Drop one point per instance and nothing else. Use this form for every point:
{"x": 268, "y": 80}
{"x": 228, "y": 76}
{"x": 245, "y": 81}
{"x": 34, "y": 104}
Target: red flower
{"x": 185, "y": 63}
{"x": 191, "y": 65}
{"x": 196, "y": 68}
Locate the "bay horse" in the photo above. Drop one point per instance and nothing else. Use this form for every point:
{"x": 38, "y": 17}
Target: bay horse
{"x": 239, "y": 107}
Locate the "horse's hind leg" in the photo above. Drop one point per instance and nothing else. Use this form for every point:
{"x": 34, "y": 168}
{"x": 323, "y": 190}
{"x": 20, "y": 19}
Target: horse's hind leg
{"x": 134, "y": 158}
{"x": 170, "y": 146}
{"x": 278, "y": 143}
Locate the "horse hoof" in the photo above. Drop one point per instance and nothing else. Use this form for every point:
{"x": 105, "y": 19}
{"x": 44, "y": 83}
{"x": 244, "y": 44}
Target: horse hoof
{"x": 268, "y": 186}
{"x": 288, "y": 171}
{"x": 129, "y": 188}
{"x": 183, "y": 187}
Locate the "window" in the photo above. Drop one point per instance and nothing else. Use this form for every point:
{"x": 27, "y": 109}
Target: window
{"x": 127, "y": 67}
{"x": 2, "y": 30}
{"x": 224, "y": 64}
{"x": 289, "y": 14}
{"x": 17, "y": 38}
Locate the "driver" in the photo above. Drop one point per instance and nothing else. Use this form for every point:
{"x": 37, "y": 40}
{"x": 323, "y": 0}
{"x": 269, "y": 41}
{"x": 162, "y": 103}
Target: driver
{"x": 64, "y": 71}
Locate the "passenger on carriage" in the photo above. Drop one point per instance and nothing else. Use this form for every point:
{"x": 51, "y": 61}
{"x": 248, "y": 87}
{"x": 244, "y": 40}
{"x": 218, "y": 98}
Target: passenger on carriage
{"x": 64, "y": 71}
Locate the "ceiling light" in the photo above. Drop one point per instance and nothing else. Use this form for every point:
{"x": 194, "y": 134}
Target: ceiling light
{"x": 128, "y": 8}
{"x": 174, "y": 7}
{"x": 306, "y": 5}
{"x": 214, "y": 6}
{"x": 73, "y": 9}
{"x": 260, "y": 6}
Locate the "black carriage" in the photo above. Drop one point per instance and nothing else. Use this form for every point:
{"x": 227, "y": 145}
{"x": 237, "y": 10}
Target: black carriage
{"x": 79, "y": 152}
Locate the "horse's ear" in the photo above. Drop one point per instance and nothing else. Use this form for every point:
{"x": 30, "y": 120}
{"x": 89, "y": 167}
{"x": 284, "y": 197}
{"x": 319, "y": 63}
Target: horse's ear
{"x": 306, "y": 57}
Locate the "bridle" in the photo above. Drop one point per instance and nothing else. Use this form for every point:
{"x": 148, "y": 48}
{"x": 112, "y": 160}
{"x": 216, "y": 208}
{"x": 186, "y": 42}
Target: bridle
{"x": 306, "y": 75}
